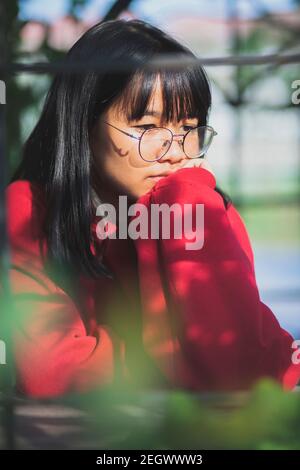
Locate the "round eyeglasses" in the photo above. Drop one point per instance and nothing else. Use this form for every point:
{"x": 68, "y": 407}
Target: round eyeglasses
{"x": 155, "y": 142}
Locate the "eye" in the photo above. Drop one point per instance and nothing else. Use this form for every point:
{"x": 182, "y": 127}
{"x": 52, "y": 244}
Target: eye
{"x": 188, "y": 128}
{"x": 144, "y": 127}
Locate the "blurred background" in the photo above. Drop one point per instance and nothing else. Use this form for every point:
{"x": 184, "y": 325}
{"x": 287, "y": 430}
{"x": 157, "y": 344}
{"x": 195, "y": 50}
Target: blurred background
{"x": 256, "y": 155}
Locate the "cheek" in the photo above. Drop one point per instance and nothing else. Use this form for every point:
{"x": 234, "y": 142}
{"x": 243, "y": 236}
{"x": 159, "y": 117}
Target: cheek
{"x": 134, "y": 158}
{"x": 122, "y": 168}
{"x": 124, "y": 162}
{"x": 124, "y": 173}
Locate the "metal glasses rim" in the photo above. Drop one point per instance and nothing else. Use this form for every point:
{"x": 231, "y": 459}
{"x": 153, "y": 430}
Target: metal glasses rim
{"x": 214, "y": 133}
{"x": 139, "y": 138}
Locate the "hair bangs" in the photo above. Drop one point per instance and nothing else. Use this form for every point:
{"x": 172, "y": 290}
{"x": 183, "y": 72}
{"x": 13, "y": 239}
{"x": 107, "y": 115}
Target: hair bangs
{"x": 185, "y": 94}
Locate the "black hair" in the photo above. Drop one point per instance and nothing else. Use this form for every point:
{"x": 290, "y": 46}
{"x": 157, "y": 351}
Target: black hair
{"x": 57, "y": 154}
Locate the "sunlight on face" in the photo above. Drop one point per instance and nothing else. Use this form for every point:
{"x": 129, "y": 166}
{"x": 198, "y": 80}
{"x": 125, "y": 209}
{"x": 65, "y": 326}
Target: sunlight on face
{"x": 119, "y": 166}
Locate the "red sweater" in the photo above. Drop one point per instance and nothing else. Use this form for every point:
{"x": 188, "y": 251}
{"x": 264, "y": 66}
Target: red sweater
{"x": 193, "y": 316}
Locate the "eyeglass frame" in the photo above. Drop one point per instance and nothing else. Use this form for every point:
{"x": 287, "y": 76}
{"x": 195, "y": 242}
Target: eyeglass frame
{"x": 139, "y": 138}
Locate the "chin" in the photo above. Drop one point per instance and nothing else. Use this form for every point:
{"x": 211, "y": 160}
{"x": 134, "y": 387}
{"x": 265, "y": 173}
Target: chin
{"x": 136, "y": 191}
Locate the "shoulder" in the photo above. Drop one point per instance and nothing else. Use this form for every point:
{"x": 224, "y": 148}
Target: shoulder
{"x": 22, "y": 196}
{"x": 25, "y": 208}
{"x": 23, "y": 191}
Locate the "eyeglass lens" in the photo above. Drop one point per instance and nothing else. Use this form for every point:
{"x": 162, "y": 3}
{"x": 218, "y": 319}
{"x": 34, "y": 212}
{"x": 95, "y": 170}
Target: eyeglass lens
{"x": 156, "y": 142}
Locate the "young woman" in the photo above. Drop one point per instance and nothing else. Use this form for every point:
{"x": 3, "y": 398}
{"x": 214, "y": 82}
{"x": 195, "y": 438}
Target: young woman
{"x": 93, "y": 311}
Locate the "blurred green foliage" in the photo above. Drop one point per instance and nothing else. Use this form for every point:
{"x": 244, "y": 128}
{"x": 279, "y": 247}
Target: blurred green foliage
{"x": 265, "y": 418}
{"x": 141, "y": 414}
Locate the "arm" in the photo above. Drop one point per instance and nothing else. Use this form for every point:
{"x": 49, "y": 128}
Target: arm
{"x": 205, "y": 322}
{"x": 53, "y": 352}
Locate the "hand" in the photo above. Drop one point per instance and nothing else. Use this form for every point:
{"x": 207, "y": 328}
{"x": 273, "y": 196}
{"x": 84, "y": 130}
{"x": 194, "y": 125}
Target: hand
{"x": 198, "y": 163}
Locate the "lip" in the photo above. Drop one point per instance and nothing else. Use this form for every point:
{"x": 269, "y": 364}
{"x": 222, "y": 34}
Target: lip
{"x": 160, "y": 175}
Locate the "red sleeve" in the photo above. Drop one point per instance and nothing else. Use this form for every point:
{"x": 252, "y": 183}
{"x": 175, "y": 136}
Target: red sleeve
{"x": 54, "y": 354}
{"x": 204, "y": 321}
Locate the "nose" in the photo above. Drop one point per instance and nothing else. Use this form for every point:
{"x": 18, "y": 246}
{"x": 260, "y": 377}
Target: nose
{"x": 175, "y": 153}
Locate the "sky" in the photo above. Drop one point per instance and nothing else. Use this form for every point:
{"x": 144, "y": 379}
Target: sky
{"x": 149, "y": 10}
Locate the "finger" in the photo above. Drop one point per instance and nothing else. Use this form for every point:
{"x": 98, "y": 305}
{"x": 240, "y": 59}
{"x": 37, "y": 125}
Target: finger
{"x": 193, "y": 163}
{"x": 204, "y": 164}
